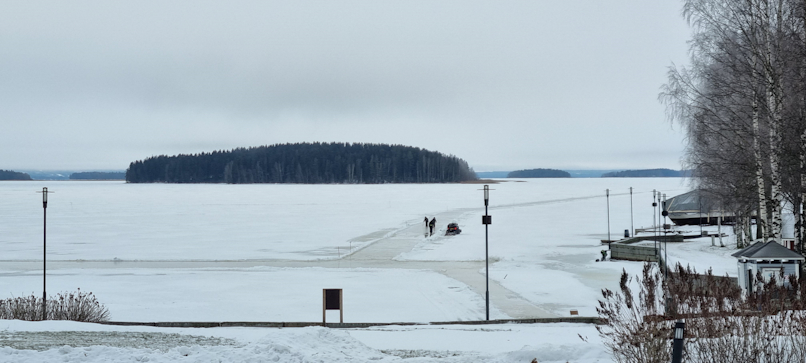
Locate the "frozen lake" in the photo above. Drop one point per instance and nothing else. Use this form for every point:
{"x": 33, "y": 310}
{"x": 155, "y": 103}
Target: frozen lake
{"x": 108, "y": 220}
{"x": 182, "y": 252}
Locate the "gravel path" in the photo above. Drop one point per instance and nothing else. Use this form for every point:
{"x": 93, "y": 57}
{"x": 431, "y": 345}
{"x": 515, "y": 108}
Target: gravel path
{"x": 42, "y": 341}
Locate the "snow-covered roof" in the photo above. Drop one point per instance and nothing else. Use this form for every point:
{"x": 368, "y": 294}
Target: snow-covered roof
{"x": 767, "y": 251}
{"x": 691, "y": 201}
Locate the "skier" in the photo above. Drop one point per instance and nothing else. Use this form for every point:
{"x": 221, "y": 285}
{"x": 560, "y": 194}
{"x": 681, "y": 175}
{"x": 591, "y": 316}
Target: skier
{"x": 432, "y": 224}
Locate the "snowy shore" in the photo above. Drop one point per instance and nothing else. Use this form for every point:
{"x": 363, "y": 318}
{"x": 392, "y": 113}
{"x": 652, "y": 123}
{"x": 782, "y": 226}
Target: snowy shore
{"x": 265, "y": 252}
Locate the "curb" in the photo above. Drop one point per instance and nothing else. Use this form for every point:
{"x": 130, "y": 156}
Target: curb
{"x": 179, "y": 324}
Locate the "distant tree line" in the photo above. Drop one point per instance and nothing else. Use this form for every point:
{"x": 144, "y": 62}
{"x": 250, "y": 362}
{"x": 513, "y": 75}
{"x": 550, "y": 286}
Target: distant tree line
{"x": 492, "y": 174}
{"x": 305, "y": 163}
{"x": 538, "y": 173}
{"x": 13, "y": 175}
{"x": 647, "y": 173}
{"x": 96, "y": 175}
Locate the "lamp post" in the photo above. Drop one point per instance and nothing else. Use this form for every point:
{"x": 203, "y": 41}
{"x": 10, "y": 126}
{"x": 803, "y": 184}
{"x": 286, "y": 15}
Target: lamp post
{"x": 658, "y": 211}
{"x": 677, "y": 345}
{"x": 607, "y": 196}
{"x": 487, "y": 220}
{"x": 632, "y": 225}
{"x": 665, "y": 213}
{"x": 45, "y": 253}
{"x": 654, "y": 219}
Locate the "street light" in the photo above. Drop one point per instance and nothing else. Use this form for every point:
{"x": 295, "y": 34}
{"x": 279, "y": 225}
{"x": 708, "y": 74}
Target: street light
{"x": 677, "y": 346}
{"x": 657, "y": 211}
{"x": 665, "y": 213}
{"x": 632, "y": 225}
{"x": 655, "y": 229}
{"x": 45, "y": 253}
{"x": 487, "y": 220}
{"x": 607, "y": 195}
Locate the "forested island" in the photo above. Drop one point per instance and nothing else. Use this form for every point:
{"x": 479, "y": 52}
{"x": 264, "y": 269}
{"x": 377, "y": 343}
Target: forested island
{"x": 13, "y": 175}
{"x": 646, "y": 173}
{"x": 305, "y": 163}
{"x": 97, "y": 175}
{"x": 539, "y": 173}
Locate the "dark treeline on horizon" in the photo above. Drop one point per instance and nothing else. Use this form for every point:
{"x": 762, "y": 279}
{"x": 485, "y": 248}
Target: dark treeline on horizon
{"x": 13, "y": 175}
{"x": 305, "y": 163}
{"x": 98, "y": 175}
{"x": 648, "y": 173}
{"x": 539, "y": 173}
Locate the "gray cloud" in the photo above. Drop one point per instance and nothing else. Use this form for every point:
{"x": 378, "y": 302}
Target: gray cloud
{"x": 504, "y": 85}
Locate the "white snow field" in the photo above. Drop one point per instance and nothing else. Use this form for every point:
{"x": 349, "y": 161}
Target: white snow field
{"x": 209, "y": 253}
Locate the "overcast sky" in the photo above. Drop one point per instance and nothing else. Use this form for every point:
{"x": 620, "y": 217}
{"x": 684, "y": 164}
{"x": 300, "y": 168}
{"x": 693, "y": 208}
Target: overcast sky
{"x": 505, "y": 85}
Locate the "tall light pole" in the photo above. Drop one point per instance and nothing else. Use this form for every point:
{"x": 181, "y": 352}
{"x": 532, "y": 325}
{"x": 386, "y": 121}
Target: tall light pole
{"x": 658, "y": 211}
{"x": 657, "y": 218}
{"x": 45, "y": 253}
{"x": 632, "y": 225}
{"x": 487, "y": 220}
{"x": 654, "y": 219}
{"x": 607, "y": 196}
{"x": 664, "y": 213}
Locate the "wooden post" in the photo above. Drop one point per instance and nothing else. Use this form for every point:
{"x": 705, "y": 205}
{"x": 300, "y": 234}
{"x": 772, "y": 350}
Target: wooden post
{"x": 324, "y": 307}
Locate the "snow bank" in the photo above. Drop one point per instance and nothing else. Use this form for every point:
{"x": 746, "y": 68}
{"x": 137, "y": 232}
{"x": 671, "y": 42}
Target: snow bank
{"x": 486, "y": 343}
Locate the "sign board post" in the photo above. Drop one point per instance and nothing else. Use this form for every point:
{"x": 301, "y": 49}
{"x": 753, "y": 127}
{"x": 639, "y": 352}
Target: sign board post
{"x": 332, "y": 299}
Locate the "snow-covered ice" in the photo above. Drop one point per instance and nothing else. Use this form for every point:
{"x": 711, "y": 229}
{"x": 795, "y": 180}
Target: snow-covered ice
{"x": 165, "y": 252}
{"x": 261, "y": 293}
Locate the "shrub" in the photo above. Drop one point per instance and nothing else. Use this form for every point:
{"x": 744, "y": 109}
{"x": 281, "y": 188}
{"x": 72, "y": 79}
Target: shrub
{"x": 75, "y": 306}
{"x": 631, "y": 330}
{"x": 767, "y": 325}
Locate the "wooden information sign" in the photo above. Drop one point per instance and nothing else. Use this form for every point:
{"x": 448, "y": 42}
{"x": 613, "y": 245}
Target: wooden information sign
{"x": 332, "y": 300}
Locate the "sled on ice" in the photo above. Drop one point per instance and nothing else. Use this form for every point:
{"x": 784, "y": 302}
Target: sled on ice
{"x": 453, "y": 229}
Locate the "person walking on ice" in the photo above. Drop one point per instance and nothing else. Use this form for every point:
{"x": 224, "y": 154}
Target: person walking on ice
{"x": 432, "y": 224}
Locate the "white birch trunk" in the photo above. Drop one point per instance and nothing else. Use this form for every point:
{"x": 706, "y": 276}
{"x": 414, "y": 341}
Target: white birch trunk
{"x": 761, "y": 218}
{"x": 802, "y": 207}
{"x": 772, "y": 23}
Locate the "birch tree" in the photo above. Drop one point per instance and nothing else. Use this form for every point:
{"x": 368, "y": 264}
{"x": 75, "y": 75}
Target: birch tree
{"x": 736, "y": 103}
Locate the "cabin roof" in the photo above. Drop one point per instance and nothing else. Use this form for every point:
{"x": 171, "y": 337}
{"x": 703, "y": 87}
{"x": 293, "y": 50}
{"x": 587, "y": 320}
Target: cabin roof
{"x": 766, "y": 251}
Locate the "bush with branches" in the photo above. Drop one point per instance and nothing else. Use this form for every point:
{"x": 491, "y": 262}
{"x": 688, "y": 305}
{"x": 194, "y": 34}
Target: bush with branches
{"x": 631, "y": 329}
{"x": 75, "y": 306}
{"x": 767, "y": 324}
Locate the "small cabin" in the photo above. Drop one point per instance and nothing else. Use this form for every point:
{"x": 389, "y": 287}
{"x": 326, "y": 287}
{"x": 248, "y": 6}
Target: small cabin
{"x": 770, "y": 258}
